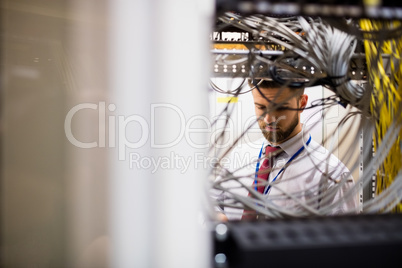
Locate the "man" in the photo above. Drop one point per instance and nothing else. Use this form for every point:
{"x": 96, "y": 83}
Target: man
{"x": 303, "y": 177}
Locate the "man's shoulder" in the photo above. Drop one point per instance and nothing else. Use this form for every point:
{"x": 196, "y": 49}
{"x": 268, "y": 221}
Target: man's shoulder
{"x": 245, "y": 155}
{"x": 249, "y": 146}
{"x": 322, "y": 157}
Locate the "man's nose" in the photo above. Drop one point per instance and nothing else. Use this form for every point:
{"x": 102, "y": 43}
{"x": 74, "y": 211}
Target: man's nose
{"x": 269, "y": 118}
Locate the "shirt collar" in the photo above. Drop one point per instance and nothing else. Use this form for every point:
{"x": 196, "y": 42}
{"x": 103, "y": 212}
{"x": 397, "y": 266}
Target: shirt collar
{"x": 292, "y": 145}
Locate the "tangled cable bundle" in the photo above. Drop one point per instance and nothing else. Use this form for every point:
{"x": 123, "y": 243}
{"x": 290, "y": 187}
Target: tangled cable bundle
{"x": 326, "y": 50}
{"x": 386, "y": 108}
{"x": 317, "y": 52}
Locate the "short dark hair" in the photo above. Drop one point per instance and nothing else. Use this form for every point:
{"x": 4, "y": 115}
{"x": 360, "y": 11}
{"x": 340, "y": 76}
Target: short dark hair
{"x": 264, "y": 83}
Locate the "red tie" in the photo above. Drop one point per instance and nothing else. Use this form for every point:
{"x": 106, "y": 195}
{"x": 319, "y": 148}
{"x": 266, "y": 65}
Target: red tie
{"x": 265, "y": 168}
{"x": 263, "y": 174}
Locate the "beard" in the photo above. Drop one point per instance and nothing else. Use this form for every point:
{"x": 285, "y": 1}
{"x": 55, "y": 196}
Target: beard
{"x": 280, "y": 134}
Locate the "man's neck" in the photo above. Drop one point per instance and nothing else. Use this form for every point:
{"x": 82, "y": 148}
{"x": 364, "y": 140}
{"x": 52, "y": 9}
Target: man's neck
{"x": 295, "y": 131}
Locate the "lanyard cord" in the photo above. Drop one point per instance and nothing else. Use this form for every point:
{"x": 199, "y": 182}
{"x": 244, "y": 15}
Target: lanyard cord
{"x": 282, "y": 169}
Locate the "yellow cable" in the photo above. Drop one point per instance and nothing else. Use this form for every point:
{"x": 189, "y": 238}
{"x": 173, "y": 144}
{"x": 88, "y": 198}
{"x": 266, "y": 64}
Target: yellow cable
{"x": 386, "y": 97}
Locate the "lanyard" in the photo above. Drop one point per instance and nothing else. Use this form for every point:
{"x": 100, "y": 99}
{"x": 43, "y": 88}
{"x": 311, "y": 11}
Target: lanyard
{"x": 282, "y": 169}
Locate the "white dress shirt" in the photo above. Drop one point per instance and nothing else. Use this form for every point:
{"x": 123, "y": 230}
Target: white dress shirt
{"x": 314, "y": 183}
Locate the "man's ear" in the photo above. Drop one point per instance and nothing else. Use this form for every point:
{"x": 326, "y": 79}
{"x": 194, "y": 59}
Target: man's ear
{"x": 303, "y": 101}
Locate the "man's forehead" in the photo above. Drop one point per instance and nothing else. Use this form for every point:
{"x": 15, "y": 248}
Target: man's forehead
{"x": 279, "y": 94}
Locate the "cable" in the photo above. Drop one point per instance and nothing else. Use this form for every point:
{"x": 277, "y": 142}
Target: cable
{"x": 387, "y": 96}
{"x": 329, "y": 50}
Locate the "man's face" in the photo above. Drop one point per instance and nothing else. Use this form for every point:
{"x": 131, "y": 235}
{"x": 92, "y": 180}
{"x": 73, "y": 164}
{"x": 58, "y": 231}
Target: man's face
{"x": 282, "y": 123}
